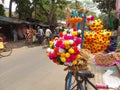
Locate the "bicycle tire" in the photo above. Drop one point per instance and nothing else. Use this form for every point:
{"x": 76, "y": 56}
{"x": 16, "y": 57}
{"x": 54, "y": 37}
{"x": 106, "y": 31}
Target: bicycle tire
{"x": 80, "y": 87}
{"x": 45, "y": 43}
{"x": 74, "y": 85}
{"x": 69, "y": 82}
{"x": 6, "y": 51}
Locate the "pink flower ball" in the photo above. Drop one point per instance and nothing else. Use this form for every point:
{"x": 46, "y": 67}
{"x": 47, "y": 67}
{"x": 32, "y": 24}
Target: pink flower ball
{"x": 77, "y": 52}
{"x": 71, "y": 37}
{"x": 61, "y": 34}
{"x": 66, "y": 37}
{"x": 88, "y": 18}
{"x": 55, "y": 61}
{"x": 73, "y": 57}
{"x": 51, "y": 56}
{"x": 68, "y": 60}
{"x": 78, "y": 41}
{"x": 92, "y": 17}
{"x": 56, "y": 49}
{"x": 57, "y": 44}
{"x": 62, "y": 45}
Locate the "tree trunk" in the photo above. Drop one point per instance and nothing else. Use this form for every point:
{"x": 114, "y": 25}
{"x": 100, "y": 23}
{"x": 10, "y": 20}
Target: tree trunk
{"x": 20, "y": 15}
{"x": 2, "y": 1}
{"x": 49, "y": 19}
{"x": 10, "y": 9}
{"x": 35, "y": 10}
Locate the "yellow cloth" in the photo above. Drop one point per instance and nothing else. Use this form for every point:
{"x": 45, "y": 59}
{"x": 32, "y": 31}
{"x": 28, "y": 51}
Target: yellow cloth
{"x": 1, "y": 45}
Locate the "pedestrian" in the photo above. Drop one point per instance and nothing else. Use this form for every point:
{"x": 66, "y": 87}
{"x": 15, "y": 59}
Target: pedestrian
{"x": 39, "y": 34}
{"x": 15, "y": 35}
{"x": 48, "y": 34}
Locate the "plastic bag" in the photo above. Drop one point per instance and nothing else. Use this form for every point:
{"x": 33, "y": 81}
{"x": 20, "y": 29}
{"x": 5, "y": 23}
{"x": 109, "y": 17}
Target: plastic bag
{"x": 110, "y": 80}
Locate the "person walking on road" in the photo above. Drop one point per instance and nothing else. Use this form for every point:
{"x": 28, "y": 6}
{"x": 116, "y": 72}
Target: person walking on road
{"x": 40, "y": 34}
{"x": 15, "y": 35}
{"x": 48, "y": 34}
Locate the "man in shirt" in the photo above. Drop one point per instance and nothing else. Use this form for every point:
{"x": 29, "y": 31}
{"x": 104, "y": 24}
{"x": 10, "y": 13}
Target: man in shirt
{"x": 48, "y": 34}
{"x": 40, "y": 35}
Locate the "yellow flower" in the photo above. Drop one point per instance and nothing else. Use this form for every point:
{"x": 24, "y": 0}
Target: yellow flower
{"x": 63, "y": 59}
{"x": 74, "y": 62}
{"x": 47, "y": 54}
{"x": 78, "y": 56}
{"x": 74, "y": 33}
{"x": 62, "y": 54}
{"x": 66, "y": 43}
{"x": 67, "y": 55}
{"x": 71, "y": 51}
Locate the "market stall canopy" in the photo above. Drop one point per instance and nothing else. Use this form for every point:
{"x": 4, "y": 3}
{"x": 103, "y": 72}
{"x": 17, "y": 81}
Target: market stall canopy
{"x": 6, "y": 20}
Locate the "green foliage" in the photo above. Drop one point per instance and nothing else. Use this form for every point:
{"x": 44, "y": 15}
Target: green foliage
{"x": 105, "y": 5}
{"x": 2, "y": 11}
{"x": 60, "y": 14}
{"x": 50, "y": 10}
{"x": 118, "y": 46}
{"x": 24, "y": 8}
{"x": 74, "y": 5}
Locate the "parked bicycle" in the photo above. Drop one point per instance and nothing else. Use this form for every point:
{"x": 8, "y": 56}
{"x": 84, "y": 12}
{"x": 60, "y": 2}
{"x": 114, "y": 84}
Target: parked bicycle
{"x": 78, "y": 80}
{"x": 5, "y": 48}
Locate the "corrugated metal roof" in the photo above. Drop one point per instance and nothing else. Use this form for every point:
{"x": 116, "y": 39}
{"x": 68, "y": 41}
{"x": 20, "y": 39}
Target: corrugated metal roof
{"x": 10, "y": 20}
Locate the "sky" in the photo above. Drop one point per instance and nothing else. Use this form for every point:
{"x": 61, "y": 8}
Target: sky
{"x": 6, "y": 5}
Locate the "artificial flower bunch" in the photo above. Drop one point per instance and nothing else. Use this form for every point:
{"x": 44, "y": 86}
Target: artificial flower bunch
{"x": 96, "y": 25}
{"x": 96, "y": 41}
{"x": 74, "y": 20}
{"x": 66, "y": 48}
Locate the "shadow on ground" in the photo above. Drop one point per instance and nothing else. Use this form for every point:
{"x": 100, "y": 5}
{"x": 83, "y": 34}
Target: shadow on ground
{"x": 21, "y": 43}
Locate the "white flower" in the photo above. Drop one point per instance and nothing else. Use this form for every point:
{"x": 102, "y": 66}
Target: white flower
{"x": 61, "y": 50}
{"x": 52, "y": 50}
{"x": 79, "y": 31}
{"x": 71, "y": 42}
{"x": 48, "y": 50}
{"x": 79, "y": 46}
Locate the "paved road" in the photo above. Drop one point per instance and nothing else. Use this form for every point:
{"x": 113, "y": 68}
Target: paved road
{"x": 30, "y": 69}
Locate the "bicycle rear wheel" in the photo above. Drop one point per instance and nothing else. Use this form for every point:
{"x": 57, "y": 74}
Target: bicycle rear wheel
{"x": 6, "y": 51}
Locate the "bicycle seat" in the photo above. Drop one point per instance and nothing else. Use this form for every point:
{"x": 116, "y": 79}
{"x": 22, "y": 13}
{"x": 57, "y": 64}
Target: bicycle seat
{"x": 85, "y": 74}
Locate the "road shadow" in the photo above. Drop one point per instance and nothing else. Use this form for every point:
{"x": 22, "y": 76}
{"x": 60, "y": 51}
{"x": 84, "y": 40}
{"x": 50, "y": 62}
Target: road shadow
{"x": 22, "y": 43}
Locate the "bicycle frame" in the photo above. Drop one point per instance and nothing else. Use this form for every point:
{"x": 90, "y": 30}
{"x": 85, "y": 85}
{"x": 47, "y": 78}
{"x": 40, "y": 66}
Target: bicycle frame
{"x": 81, "y": 77}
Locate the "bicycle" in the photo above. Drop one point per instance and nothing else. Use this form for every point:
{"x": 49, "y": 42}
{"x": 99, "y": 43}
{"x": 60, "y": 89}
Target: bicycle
{"x": 5, "y": 48}
{"x": 81, "y": 79}
{"x": 45, "y": 42}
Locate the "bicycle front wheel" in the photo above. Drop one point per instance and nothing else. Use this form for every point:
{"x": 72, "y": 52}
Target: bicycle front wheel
{"x": 6, "y": 51}
{"x": 71, "y": 83}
